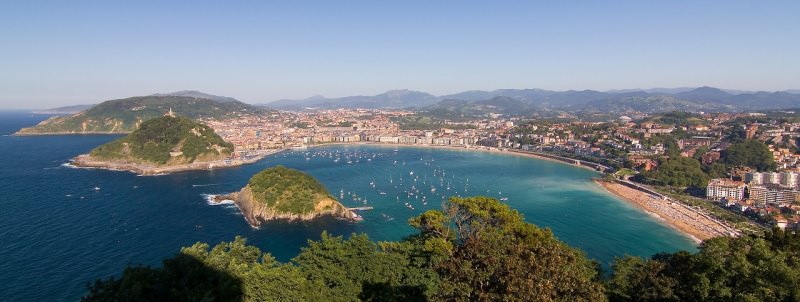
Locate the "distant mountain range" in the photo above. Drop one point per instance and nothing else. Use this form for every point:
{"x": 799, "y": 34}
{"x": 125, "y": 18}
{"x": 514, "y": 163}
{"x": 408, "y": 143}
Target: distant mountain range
{"x": 519, "y": 101}
{"x": 125, "y": 115}
{"x": 389, "y": 99}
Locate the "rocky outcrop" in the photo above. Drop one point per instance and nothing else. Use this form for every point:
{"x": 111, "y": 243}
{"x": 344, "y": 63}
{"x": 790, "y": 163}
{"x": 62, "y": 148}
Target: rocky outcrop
{"x": 256, "y": 212}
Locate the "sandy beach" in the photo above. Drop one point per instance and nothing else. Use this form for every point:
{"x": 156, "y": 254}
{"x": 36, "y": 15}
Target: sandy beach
{"x": 689, "y": 221}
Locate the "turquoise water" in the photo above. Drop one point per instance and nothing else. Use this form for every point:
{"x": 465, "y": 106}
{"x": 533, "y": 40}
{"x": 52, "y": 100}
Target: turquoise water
{"x": 58, "y": 232}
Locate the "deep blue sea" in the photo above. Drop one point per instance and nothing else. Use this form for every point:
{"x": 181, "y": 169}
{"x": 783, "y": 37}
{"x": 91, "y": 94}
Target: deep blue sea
{"x": 63, "y": 227}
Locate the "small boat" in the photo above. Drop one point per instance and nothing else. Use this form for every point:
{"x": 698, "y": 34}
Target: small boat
{"x": 97, "y": 188}
{"x": 504, "y": 199}
{"x": 383, "y": 193}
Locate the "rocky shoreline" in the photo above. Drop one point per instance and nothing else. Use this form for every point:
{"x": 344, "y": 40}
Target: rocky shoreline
{"x": 255, "y": 213}
{"x": 143, "y": 169}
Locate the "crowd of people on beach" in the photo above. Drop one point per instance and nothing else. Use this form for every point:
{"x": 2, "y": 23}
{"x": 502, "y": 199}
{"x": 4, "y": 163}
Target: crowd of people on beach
{"x": 686, "y": 219}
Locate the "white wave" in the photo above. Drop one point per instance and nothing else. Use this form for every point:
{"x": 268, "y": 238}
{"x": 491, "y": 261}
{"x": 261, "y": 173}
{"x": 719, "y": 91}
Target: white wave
{"x": 205, "y": 185}
{"x": 210, "y": 200}
{"x": 71, "y": 166}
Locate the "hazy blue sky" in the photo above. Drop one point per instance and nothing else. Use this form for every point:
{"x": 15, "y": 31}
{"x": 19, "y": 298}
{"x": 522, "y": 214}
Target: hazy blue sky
{"x": 76, "y": 52}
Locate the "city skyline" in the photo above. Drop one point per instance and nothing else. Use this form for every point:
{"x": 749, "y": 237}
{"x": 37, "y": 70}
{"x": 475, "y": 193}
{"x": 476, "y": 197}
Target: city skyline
{"x": 65, "y": 54}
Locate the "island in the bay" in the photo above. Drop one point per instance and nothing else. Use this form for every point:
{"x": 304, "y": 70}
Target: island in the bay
{"x": 284, "y": 193}
{"x": 162, "y": 145}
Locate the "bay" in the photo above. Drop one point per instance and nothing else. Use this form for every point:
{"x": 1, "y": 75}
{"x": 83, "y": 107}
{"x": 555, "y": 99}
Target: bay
{"x": 62, "y": 227}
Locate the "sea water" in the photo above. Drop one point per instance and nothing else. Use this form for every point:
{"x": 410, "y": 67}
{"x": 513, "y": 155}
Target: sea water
{"x": 62, "y": 227}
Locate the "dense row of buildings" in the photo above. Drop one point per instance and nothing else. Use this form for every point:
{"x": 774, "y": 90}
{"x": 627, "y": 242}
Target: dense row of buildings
{"x": 252, "y": 133}
{"x": 764, "y": 188}
{"x": 763, "y": 194}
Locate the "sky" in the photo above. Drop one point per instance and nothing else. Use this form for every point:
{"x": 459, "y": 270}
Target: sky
{"x": 82, "y": 52}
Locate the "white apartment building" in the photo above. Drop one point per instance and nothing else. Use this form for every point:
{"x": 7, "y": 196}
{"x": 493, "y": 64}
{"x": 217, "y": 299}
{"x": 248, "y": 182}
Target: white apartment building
{"x": 722, "y": 188}
{"x": 787, "y": 179}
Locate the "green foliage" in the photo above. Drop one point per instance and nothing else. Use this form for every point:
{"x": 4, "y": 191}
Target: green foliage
{"x": 636, "y": 279}
{"x": 119, "y": 116}
{"x": 751, "y": 153}
{"x": 193, "y": 275}
{"x": 716, "y": 170}
{"x": 669, "y": 142}
{"x": 156, "y": 138}
{"x": 748, "y": 268}
{"x": 678, "y": 119}
{"x": 680, "y": 172}
{"x": 300, "y": 125}
{"x": 357, "y": 268}
{"x": 477, "y": 250}
{"x": 287, "y": 190}
{"x": 491, "y": 254}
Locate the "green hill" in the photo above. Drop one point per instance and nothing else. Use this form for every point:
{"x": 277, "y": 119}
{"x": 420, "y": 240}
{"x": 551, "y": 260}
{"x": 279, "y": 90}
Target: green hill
{"x": 125, "y": 115}
{"x": 283, "y": 193}
{"x": 166, "y": 141}
{"x": 287, "y": 190}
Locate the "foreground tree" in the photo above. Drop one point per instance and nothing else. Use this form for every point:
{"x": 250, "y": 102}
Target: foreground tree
{"x": 484, "y": 251}
{"x": 725, "y": 269}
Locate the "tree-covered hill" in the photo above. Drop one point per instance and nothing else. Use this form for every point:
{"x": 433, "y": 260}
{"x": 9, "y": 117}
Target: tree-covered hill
{"x": 287, "y": 190}
{"x": 125, "y": 115}
{"x": 166, "y": 140}
{"x": 283, "y": 193}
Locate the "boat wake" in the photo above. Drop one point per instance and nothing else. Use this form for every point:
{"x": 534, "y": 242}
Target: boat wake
{"x": 205, "y": 185}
